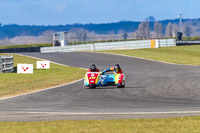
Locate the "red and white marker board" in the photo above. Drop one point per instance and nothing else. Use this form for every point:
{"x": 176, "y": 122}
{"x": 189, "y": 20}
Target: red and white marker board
{"x": 43, "y": 64}
{"x": 25, "y": 68}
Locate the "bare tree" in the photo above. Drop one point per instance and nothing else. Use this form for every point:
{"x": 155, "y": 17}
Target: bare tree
{"x": 157, "y": 30}
{"x": 125, "y": 36}
{"x": 45, "y": 37}
{"x": 187, "y": 30}
{"x": 136, "y": 34}
{"x": 6, "y": 41}
{"x": 81, "y": 35}
{"x": 169, "y": 29}
{"x": 175, "y": 29}
{"x": 144, "y": 30}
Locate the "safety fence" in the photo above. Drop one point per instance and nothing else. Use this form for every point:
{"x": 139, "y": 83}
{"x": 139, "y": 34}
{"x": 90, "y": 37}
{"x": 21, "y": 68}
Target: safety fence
{"x": 112, "y": 46}
{"x": 6, "y": 64}
{"x": 18, "y": 50}
{"x": 182, "y": 43}
{"x": 166, "y": 43}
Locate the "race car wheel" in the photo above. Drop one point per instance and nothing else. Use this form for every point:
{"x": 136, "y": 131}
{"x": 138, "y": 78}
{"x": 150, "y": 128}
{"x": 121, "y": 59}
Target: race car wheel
{"x": 121, "y": 86}
{"x": 92, "y": 86}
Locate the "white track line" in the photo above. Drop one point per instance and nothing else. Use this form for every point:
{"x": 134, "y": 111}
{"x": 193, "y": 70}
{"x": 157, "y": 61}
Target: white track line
{"x": 146, "y": 59}
{"x": 44, "y": 88}
{"x": 117, "y": 113}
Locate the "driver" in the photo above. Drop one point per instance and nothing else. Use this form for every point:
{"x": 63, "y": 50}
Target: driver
{"x": 116, "y": 68}
{"x": 93, "y": 68}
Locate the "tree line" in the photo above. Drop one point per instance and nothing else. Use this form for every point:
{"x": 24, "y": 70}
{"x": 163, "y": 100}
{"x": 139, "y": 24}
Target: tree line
{"x": 146, "y": 29}
{"x": 160, "y": 30}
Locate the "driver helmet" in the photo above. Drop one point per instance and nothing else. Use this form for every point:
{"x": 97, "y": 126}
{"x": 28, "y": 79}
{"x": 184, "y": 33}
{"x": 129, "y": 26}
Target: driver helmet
{"x": 93, "y": 67}
{"x": 117, "y": 68}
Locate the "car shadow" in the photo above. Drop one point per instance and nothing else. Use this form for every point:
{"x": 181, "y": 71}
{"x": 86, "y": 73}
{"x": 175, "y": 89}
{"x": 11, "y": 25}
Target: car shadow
{"x": 135, "y": 87}
{"x": 115, "y": 87}
{"x": 103, "y": 88}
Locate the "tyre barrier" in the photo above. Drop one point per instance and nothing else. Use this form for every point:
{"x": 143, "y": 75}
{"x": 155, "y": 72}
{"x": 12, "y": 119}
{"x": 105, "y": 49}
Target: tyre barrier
{"x": 6, "y": 64}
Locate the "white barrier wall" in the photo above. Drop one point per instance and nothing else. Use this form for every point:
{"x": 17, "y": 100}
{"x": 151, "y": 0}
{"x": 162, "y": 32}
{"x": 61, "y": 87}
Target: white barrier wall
{"x": 111, "y": 46}
{"x": 167, "y": 42}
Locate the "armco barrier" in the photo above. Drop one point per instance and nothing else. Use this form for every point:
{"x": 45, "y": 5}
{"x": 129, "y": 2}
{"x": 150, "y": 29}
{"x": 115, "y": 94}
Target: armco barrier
{"x": 110, "y": 46}
{"x": 18, "y": 50}
{"x": 182, "y": 43}
{"x": 6, "y": 64}
{"x": 167, "y": 42}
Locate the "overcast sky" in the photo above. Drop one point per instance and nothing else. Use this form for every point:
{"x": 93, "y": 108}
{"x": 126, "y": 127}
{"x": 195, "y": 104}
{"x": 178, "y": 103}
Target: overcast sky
{"x": 54, "y": 12}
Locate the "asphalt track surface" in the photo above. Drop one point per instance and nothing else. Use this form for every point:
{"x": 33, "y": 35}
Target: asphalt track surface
{"x": 153, "y": 89}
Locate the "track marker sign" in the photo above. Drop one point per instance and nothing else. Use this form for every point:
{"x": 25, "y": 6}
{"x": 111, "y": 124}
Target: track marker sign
{"x": 43, "y": 64}
{"x": 25, "y": 68}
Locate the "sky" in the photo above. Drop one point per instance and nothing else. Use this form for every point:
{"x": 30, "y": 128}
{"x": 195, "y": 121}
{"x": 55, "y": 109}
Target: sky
{"x": 62, "y": 12}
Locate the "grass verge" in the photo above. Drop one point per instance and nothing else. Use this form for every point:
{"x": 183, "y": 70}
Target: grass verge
{"x": 167, "y": 125}
{"x": 26, "y": 46}
{"x": 180, "y": 55}
{"x": 14, "y": 84}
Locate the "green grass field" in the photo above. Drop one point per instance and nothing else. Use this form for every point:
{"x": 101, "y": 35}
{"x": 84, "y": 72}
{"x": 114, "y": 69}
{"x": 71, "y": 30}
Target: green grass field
{"x": 14, "y": 84}
{"x": 180, "y": 55}
{"x": 164, "y": 125}
{"x": 26, "y": 46}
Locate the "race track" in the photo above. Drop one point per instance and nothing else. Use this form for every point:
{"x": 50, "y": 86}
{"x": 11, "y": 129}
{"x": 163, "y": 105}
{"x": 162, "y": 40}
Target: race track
{"x": 153, "y": 89}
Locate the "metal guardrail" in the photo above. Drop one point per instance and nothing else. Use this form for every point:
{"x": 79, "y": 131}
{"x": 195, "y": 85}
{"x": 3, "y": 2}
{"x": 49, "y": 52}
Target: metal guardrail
{"x": 167, "y": 42}
{"x": 6, "y": 64}
{"x": 189, "y": 42}
{"x": 109, "y": 46}
{"x": 182, "y": 43}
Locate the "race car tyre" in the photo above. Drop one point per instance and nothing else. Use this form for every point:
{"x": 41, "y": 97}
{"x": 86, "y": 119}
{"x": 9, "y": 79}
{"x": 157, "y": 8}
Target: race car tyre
{"x": 121, "y": 86}
{"x": 92, "y": 86}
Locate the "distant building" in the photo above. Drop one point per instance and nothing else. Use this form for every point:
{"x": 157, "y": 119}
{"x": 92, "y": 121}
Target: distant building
{"x": 60, "y": 38}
